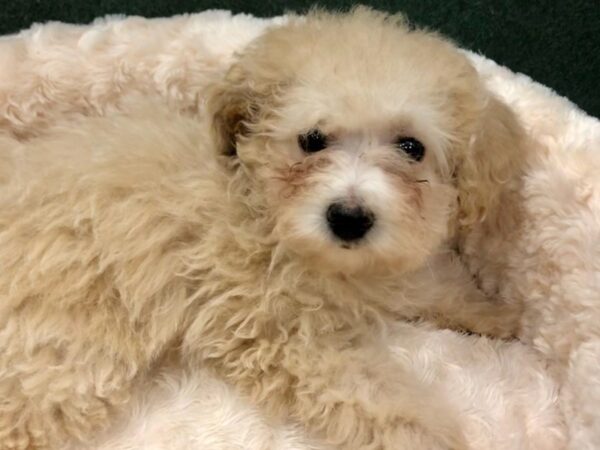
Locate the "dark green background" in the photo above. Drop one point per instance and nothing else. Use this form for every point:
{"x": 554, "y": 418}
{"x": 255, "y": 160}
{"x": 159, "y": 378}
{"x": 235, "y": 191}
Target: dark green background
{"x": 556, "y": 42}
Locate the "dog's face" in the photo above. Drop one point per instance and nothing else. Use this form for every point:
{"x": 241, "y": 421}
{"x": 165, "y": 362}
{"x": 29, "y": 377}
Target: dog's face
{"x": 356, "y": 176}
{"x": 351, "y": 128}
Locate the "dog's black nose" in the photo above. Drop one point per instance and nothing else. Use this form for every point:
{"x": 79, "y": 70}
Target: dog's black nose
{"x": 349, "y": 223}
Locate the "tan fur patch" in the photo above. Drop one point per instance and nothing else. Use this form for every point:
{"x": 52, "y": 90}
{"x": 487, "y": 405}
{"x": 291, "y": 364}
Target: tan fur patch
{"x": 295, "y": 176}
{"x": 397, "y": 172}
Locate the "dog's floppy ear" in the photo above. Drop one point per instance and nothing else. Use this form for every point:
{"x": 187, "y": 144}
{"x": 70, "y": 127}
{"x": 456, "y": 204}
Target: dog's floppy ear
{"x": 231, "y": 106}
{"x": 492, "y": 165}
{"x": 240, "y": 103}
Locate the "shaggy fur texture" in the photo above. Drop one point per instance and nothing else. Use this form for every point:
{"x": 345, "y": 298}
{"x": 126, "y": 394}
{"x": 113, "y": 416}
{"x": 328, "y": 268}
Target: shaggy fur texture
{"x": 114, "y": 58}
{"x": 126, "y": 236}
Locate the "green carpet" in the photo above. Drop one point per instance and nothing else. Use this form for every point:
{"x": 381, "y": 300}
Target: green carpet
{"x": 555, "y": 42}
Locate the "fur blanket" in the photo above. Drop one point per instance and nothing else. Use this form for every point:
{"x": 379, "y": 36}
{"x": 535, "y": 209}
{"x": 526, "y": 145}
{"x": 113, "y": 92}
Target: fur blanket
{"x": 512, "y": 395}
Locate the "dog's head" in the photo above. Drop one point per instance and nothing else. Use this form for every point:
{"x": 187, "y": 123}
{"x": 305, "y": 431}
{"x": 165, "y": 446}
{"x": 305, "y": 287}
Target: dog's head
{"x": 362, "y": 137}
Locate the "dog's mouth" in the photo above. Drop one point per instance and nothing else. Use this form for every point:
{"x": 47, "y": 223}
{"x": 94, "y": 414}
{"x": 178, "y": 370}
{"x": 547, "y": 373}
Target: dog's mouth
{"x": 350, "y": 245}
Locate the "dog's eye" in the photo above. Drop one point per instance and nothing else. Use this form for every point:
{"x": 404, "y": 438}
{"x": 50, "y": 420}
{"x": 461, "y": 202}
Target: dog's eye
{"x": 313, "y": 141}
{"x": 412, "y": 147}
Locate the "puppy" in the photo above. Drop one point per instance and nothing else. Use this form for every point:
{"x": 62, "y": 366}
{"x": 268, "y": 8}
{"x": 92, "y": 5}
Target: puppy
{"x": 272, "y": 242}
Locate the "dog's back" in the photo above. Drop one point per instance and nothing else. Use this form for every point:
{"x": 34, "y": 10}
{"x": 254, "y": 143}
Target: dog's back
{"x": 94, "y": 219}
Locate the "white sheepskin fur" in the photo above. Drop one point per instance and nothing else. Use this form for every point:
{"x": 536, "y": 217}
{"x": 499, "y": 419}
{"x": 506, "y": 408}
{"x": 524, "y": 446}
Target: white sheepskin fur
{"x": 506, "y": 401}
{"x": 554, "y": 259}
{"x": 183, "y": 409}
{"x": 506, "y": 392}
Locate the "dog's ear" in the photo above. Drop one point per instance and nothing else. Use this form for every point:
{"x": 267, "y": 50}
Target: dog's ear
{"x": 492, "y": 165}
{"x": 230, "y": 107}
{"x": 240, "y": 103}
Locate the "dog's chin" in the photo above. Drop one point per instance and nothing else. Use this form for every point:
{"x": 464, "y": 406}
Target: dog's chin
{"x": 354, "y": 259}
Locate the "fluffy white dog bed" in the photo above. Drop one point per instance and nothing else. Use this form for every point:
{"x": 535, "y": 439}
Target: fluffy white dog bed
{"x": 511, "y": 395}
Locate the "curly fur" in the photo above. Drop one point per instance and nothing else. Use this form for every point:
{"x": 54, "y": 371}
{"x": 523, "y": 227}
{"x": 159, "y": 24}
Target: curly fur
{"x": 33, "y": 116}
{"x": 160, "y": 252}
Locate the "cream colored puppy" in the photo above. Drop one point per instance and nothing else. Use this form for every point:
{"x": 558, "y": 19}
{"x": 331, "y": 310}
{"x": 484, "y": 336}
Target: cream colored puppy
{"x": 273, "y": 243}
